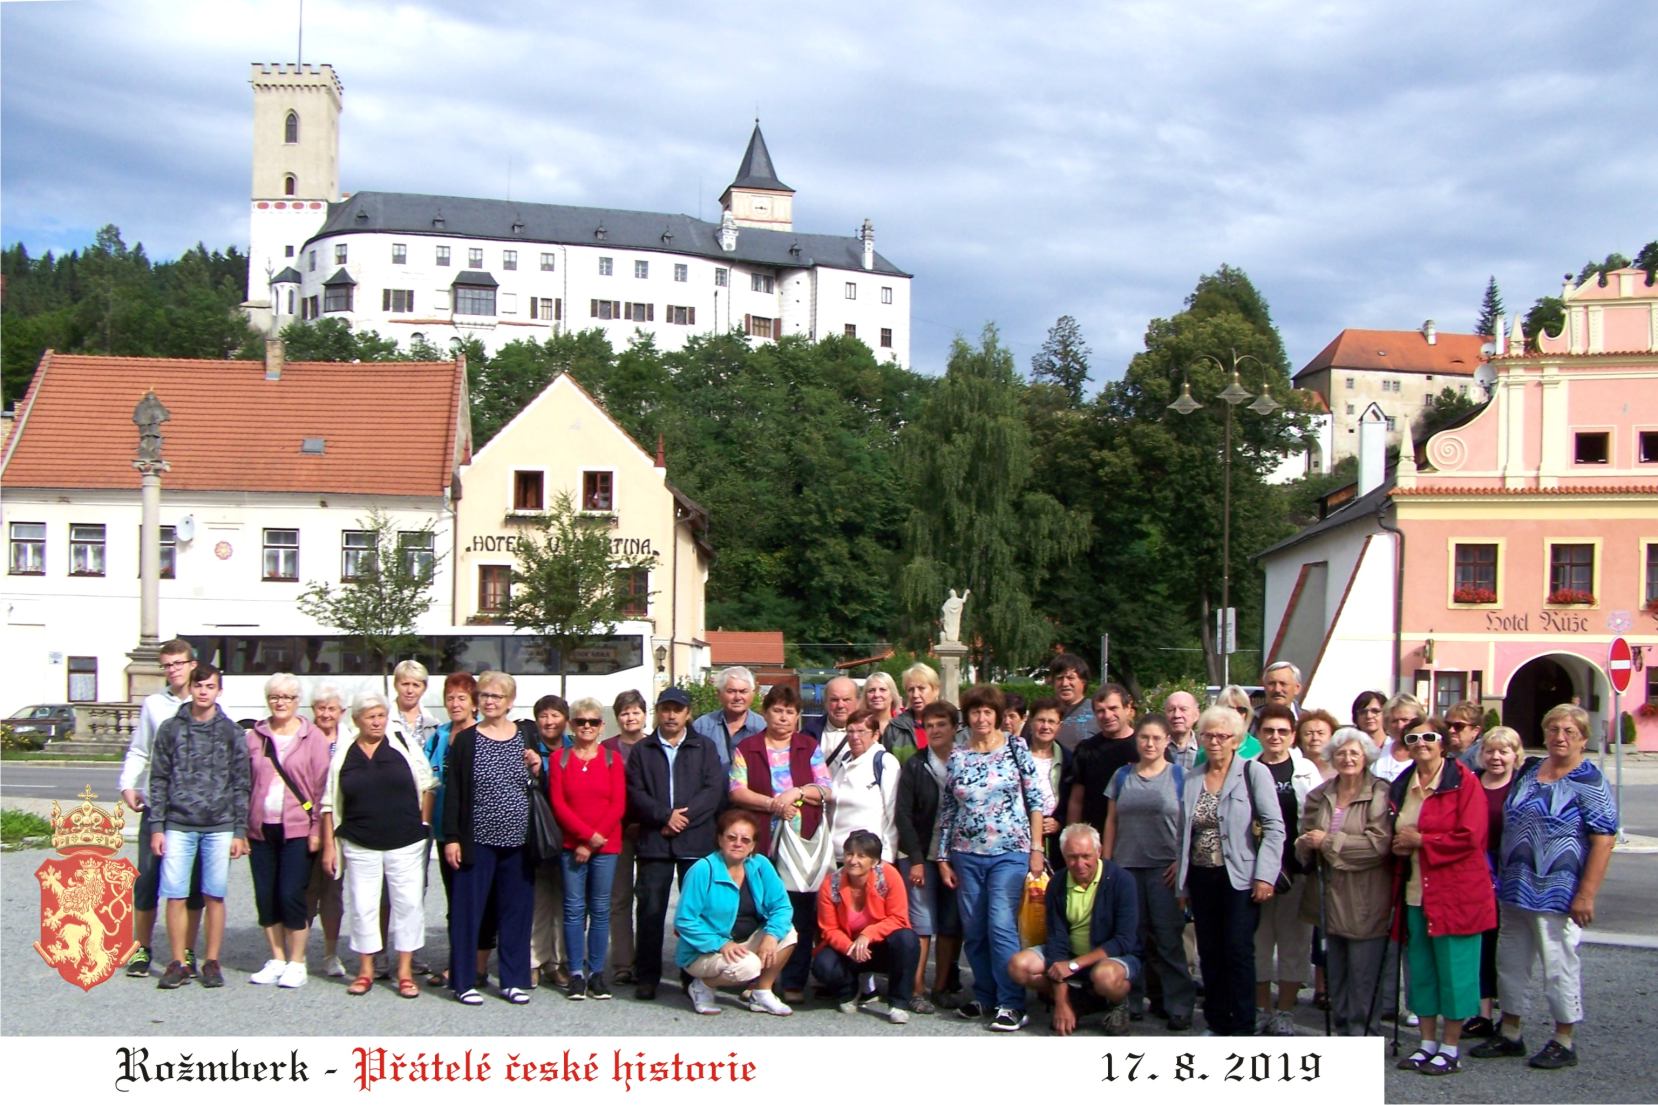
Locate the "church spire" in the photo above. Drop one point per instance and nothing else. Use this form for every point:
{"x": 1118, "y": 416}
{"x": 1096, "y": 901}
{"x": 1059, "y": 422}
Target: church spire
{"x": 756, "y": 171}
{"x": 756, "y": 197}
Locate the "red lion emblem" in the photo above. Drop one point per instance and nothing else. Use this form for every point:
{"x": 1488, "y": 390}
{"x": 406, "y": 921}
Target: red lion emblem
{"x": 86, "y": 896}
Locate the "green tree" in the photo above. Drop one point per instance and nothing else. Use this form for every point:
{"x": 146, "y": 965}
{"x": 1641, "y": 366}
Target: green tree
{"x": 567, "y": 585}
{"x": 333, "y": 339}
{"x": 502, "y": 385}
{"x": 386, "y": 594}
{"x": 978, "y": 517}
{"x": 1547, "y": 314}
{"x": 1600, "y": 269}
{"x": 1647, "y": 261}
{"x": 1490, "y": 308}
{"x": 1447, "y": 407}
{"x": 1063, "y": 359}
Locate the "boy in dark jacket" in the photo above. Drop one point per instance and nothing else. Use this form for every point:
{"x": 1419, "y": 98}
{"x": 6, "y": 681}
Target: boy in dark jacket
{"x": 200, "y": 778}
{"x": 1092, "y": 954}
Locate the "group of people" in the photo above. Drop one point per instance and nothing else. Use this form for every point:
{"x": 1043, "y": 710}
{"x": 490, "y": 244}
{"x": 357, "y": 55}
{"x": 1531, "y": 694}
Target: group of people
{"x": 1104, "y": 859}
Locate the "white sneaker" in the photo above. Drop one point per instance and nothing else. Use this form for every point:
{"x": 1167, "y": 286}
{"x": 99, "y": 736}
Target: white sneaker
{"x": 764, "y": 1001}
{"x": 898, "y": 1016}
{"x": 269, "y": 973}
{"x": 850, "y": 1005}
{"x": 333, "y": 968}
{"x": 702, "y": 997}
{"x": 1263, "y": 1021}
{"x": 1282, "y": 1024}
{"x": 293, "y": 975}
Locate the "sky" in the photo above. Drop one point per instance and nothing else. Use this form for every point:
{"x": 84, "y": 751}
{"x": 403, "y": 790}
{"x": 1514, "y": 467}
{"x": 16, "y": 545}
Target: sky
{"x": 1367, "y": 164}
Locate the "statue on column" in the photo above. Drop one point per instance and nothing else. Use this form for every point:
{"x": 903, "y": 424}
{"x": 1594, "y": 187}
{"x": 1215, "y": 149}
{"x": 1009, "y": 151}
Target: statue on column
{"x": 951, "y": 616}
{"x": 149, "y": 415}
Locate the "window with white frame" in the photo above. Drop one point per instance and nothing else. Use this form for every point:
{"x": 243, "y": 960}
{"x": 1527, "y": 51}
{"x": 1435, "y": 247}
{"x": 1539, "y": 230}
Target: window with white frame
{"x": 339, "y": 253}
{"x": 722, "y": 278}
{"x": 851, "y": 290}
{"x": 28, "y": 548}
{"x": 442, "y": 257}
{"x": 281, "y": 555}
{"x": 682, "y": 273}
{"x": 357, "y": 554}
{"x": 545, "y": 309}
{"x": 475, "y": 258}
{"x": 86, "y": 550}
{"x": 419, "y": 552}
{"x": 598, "y": 491}
{"x": 473, "y": 300}
{"x": 1474, "y": 577}
{"x": 761, "y": 282}
{"x": 1571, "y": 572}
{"x": 886, "y": 337}
{"x": 850, "y": 330}
{"x": 169, "y": 551}
{"x": 397, "y": 301}
{"x": 509, "y": 259}
{"x": 886, "y": 296}
{"x": 399, "y": 253}
{"x": 641, "y": 269}
{"x": 336, "y": 297}
{"x": 529, "y": 490}
{"x": 547, "y": 262}
{"x": 607, "y": 265}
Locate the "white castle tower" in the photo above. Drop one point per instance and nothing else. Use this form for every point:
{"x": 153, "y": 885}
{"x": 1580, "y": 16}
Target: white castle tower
{"x": 296, "y": 171}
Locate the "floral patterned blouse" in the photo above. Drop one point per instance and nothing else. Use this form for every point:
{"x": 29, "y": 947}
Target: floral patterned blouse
{"x": 988, "y": 799}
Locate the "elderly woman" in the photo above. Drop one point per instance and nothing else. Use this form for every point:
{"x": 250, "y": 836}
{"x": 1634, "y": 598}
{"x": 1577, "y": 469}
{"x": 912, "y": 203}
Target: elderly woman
{"x": 1559, "y": 824}
{"x": 1227, "y": 869}
{"x": 1041, "y": 736}
{"x": 1496, "y": 776}
{"x": 863, "y": 918}
{"x": 409, "y": 721}
{"x": 323, "y": 901}
{"x": 734, "y": 921}
{"x": 1282, "y": 938}
{"x": 780, "y": 772}
{"x": 880, "y": 694}
{"x": 906, "y": 734}
{"x": 1402, "y": 712}
{"x": 1370, "y": 716}
{"x": 460, "y": 702}
{"x": 1313, "y": 730}
{"x": 1347, "y": 836}
{"x": 548, "y": 735}
{"x": 1142, "y": 836}
{"x": 486, "y": 821}
{"x": 865, "y": 783}
{"x": 1439, "y": 834}
{"x": 629, "y": 708}
{"x": 290, "y": 758}
{"x": 374, "y": 816}
{"x": 1237, "y": 699}
{"x": 990, "y": 837}
{"x": 589, "y": 794}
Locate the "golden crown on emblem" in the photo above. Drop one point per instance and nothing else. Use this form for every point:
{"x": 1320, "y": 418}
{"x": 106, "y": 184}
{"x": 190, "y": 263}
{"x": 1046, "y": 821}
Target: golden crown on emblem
{"x": 87, "y": 827}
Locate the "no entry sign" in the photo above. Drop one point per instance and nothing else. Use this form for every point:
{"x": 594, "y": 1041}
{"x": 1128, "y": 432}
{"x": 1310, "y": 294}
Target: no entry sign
{"x": 1619, "y": 664}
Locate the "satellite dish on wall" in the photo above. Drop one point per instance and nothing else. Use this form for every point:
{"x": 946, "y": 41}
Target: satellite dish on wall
{"x": 186, "y": 528}
{"x": 1486, "y": 377}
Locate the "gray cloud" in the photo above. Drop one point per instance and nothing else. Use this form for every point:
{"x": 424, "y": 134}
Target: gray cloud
{"x": 1367, "y": 165}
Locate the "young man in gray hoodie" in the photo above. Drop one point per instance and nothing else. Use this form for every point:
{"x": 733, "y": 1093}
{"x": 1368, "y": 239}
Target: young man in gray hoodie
{"x": 200, "y": 778}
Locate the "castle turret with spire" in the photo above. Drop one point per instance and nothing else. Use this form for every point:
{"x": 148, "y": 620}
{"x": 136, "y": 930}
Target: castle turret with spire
{"x": 756, "y": 197}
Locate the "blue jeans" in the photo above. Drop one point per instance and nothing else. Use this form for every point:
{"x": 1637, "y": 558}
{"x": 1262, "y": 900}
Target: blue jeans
{"x": 587, "y": 910}
{"x": 180, "y": 855}
{"x": 988, "y": 889}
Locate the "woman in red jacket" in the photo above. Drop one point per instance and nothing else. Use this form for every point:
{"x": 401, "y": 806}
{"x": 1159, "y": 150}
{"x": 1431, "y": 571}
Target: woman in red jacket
{"x": 1439, "y": 833}
{"x": 588, "y": 789}
{"x": 863, "y": 917}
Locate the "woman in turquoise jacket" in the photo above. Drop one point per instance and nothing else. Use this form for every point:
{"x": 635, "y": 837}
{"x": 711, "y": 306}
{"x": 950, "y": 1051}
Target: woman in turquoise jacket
{"x": 735, "y": 923}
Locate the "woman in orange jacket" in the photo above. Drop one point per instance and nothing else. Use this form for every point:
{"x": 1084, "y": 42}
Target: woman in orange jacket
{"x": 863, "y": 916}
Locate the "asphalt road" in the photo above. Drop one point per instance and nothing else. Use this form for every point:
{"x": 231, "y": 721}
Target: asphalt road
{"x": 21, "y": 779}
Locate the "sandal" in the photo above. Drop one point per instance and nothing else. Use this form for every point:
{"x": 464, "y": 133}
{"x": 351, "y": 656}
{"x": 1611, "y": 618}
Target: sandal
{"x": 469, "y": 997}
{"x": 1415, "y": 1060}
{"x": 360, "y": 985}
{"x": 1440, "y": 1064}
{"x": 920, "y": 1004}
{"x": 408, "y": 988}
{"x": 437, "y": 978}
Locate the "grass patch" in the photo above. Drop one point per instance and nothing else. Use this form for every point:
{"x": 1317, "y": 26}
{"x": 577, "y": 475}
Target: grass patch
{"x": 16, "y": 825}
{"x": 90, "y": 757}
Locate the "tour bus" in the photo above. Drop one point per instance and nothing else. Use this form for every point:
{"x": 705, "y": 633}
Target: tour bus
{"x": 602, "y": 667}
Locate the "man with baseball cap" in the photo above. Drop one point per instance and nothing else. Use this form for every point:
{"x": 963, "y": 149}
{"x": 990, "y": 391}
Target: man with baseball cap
{"x": 676, "y": 786}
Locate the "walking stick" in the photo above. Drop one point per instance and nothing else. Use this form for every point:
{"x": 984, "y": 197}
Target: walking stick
{"x": 1399, "y": 964}
{"x": 1323, "y": 918}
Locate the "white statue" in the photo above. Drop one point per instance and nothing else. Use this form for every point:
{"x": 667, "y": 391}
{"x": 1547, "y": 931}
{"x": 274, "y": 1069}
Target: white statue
{"x": 951, "y": 616}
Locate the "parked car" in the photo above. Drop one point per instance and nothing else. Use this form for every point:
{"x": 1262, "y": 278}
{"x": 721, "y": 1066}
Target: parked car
{"x": 42, "y": 723}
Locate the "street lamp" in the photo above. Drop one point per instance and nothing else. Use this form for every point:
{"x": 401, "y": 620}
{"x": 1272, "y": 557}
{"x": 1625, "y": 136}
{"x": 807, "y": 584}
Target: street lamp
{"x": 1234, "y": 394}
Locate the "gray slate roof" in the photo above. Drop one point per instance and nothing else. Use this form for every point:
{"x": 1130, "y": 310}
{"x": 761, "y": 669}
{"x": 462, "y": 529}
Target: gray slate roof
{"x": 289, "y": 275}
{"x": 756, "y": 171}
{"x": 547, "y": 223}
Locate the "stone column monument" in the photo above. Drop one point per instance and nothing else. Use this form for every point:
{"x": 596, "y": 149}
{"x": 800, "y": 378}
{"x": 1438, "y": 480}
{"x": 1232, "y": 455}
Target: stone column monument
{"x": 144, "y": 674}
{"x": 949, "y": 649}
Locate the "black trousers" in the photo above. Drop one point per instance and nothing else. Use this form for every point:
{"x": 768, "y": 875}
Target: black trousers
{"x": 652, "y": 884}
{"x": 799, "y": 966}
{"x": 894, "y": 956}
{"x": 281, "y": 869}
{"x": 1225, "y": 919}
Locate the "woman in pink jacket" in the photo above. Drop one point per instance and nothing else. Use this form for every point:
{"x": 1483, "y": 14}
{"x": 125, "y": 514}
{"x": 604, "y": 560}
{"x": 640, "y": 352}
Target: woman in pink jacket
{"x": 289, "y": 756}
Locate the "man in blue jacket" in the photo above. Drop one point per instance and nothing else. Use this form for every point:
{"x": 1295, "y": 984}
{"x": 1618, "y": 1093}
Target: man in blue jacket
{"x": 1092, "y": 954}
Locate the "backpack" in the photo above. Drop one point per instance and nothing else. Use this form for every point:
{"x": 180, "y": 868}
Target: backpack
{"x": 564, "y": 758}
{"x": 880, "y": 760}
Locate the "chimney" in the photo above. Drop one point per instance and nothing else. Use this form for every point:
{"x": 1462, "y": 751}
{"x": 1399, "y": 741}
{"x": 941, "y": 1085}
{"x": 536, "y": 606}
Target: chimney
{"x": 867, "y": 233}
{"x": 275, "y": 357}
{"x": 1498, "y": 339}
{"x": 661, "y": 452}
{"x": 728, "y": 231}
{"x": 1372, "y": 449}
{"x": 1430, "y": 333}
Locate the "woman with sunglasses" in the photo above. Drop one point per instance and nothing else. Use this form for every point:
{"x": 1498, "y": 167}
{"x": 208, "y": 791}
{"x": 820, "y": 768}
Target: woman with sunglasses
{"x": 588, "y": 789}
{"x": 1444, "y": 897}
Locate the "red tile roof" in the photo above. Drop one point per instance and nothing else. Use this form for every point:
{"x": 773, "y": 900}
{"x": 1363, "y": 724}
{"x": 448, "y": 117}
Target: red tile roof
{"x": 389, "y": 428}
{"x": 1400, "y": 351}
{"x": 1441, "y": 486}
{"x": 734, "y": 647}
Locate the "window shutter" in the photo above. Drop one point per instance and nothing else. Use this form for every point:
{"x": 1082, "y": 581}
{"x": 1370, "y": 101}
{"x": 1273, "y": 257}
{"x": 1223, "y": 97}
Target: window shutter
{"x": 748, "y": 324}
{"x": 595, "y": 308}
{"x": 558, "y": 308}
{"x": 650, "y": 312}
{"x": 691, "y": 315}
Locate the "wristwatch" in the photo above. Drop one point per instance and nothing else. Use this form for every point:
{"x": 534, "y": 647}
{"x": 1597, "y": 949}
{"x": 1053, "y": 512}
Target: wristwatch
{"x": 1073, "y": 967}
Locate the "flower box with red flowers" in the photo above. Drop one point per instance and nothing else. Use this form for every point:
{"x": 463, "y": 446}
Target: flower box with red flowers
{"x": 1474, "y": 595}
{"x": 1647, "y": 709}
{"x": 1568, "y": 597}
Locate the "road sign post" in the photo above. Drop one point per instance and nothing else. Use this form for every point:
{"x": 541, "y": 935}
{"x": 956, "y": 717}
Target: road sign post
{"x": 1620, "y": 664}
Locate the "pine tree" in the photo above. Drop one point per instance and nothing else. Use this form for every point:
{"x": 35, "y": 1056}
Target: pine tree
{"x": 1490, "y": 308}
{"x": 1063, "y": 359}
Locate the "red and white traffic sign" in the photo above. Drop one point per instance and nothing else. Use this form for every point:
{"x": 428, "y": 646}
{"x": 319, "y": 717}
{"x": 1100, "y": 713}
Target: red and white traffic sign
{"x": 1619, "y": 664}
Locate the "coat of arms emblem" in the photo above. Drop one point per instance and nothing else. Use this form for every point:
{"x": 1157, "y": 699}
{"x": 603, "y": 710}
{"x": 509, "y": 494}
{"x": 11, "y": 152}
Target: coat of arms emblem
{"x": 86, "y": 896}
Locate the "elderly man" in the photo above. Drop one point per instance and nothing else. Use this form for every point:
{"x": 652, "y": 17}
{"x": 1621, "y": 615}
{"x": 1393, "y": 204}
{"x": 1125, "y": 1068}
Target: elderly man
{"x": 840, "y": 698}
{"x": 1068, "y": 674}
{"x": 1092, "y": 955}
{"x": 1181, "y": 710}
{"x": 734, "y": 720}
{"x": 1281, "y": 680}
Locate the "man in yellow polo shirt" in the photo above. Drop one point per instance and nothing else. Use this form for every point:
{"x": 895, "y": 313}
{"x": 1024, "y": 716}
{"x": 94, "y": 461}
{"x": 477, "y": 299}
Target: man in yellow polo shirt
{"x": 1092, "y": 955}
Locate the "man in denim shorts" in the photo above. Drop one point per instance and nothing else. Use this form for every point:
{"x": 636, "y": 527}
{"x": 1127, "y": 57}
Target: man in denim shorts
{"x": 200, "y": 778}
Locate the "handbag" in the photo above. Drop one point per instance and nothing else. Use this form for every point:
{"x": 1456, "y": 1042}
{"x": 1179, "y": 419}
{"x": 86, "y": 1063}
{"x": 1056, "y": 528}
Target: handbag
{"x": 546, "y": 839}
{"x": 804, "y": 862}
{"x": 1282, "y": 884}
{"x": 1033, "y": 911}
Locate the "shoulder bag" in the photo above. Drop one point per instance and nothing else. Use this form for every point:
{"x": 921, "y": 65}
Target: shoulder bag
{"x": 802, "y": 862}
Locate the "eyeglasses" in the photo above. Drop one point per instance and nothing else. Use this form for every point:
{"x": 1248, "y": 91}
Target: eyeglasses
{"x": 1421, "y": 738}
{"x": 585, "y": 722}
{"x": 282, "y": 698}
{"x": 169, "y": 665}
{"x": 1458, "y": 726}
{"x": 491, "y": 696}
{"x": 1371, "y": 710}
{"x": 739, "y": 839}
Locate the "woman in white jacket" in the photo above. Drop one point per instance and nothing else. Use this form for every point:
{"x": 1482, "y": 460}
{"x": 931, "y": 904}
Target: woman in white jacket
{"x": 865, "y": 786}
{"x": 1283, "y": 941}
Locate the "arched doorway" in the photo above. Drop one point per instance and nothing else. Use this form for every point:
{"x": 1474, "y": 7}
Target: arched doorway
{"x": 1537, "y": 687}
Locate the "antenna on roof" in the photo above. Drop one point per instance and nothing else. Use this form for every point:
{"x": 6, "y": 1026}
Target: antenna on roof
{"x": 299, "y": 52}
